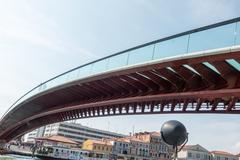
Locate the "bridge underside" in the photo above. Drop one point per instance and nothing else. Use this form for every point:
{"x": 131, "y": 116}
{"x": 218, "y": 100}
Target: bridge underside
{"x": 206, "y": 84}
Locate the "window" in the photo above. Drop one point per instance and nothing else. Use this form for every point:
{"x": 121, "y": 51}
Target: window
{"x": 189, "y": 154}
{"x": 205, "y": 157}
{"x": 198, "y": 155}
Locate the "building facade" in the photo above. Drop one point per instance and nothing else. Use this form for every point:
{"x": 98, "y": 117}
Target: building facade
{"x": 194, "y": 152}
{"x": 139, "y": 148}
{"x": 130, "y": 148}
{"x": 142, "y": 146}
{"x": 121, "y": 146}
{"x": 158, "y": 150}
{"x": 221, "y": 155}
{"x": 98, "y": 148}
{"x": 57, "y": 141}
{"x": 74, "y": 131}
{"x": 30, "y": 137}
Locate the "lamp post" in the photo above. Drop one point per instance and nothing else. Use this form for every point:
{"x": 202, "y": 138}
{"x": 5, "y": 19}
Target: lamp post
{"x": 175, "y": 134}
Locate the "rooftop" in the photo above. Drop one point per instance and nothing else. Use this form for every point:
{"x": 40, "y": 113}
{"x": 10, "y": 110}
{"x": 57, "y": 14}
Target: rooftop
{"x": 155, "y": 133}
{"x": 102, "y": 142}
{"x": 222, "y": 153}
{"x": 128, "y": 139}
{"x": 188, "y": 146}
{"x": 125, "y": 139}
{"x": 57, "y": 138}
{"x": 196, "y": 147}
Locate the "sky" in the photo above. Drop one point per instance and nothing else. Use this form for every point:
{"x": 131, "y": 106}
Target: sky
{"x": 41, "y": 39}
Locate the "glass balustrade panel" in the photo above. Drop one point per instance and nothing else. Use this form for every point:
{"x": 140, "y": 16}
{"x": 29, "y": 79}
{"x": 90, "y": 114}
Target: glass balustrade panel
{"x": 99, "y": 66}
{"x": 141, "y": 55}
{"x": 219, "y": 37}
{"x": 117, "y": 61}
{"x": 172, "y": 47}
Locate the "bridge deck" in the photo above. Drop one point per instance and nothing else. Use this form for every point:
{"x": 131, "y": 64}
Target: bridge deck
{"x": 193, "y": 72}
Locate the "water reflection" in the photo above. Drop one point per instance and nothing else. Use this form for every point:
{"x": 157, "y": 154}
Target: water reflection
{"x": 17, "y": 157}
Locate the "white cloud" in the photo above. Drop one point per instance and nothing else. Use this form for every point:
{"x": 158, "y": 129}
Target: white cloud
{"x": 23, "y": 23}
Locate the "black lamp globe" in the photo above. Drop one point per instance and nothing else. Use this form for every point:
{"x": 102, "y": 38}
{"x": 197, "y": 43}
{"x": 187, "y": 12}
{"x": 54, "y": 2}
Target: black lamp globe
{"x": 174, "y": 133}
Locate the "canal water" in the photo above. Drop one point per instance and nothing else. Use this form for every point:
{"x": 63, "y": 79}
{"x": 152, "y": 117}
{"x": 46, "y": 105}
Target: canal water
{"x": 16, "y": 157}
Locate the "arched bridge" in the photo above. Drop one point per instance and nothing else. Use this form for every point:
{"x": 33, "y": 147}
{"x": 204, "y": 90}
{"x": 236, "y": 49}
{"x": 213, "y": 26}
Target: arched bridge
{"x": 197, "y": 71}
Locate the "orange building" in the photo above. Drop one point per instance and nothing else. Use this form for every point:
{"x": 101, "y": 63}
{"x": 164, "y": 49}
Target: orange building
{"x": 98, "y": 148}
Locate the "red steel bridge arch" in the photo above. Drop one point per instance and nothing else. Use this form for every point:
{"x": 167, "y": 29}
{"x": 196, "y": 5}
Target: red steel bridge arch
{"x": 202, "y": 82}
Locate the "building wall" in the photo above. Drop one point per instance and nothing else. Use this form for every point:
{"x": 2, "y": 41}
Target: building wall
{"x": 76, "y": 132}
{"x": 224, "y": 157}
{"x": 30, "y": 137}
{"x": 182, "y": 154}
{"x": 81, "y": 133}
{"x": 58, "y": 144}
{"x": 87, "y": 145}
{"x": 192, "y": 154}
{"x": 139, "y": 148}
{"x": 158, "y": 150}
{"x": 121, "y": 147}
{"x": 51, "y": 129}
{"x": 198, "y": 155}
{"x": 101, "y": 147}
